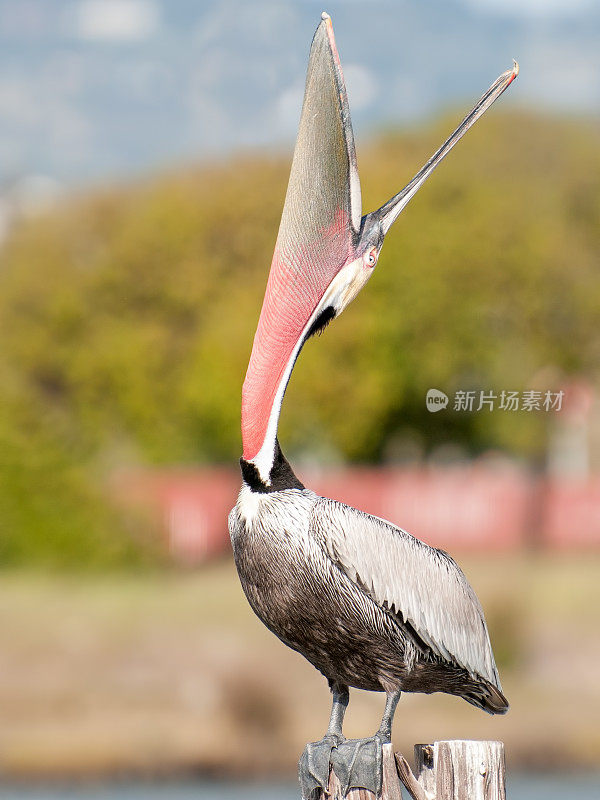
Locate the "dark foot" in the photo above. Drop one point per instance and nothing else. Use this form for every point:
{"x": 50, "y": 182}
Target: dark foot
{"x": 313, "y": 768}
{"x": 358, "y": 764}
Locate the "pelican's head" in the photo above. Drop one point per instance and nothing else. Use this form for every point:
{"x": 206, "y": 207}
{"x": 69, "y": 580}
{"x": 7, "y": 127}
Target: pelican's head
{"x": 326, "y": 250}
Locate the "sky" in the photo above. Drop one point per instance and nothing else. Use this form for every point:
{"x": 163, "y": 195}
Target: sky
{"x": 96, "y": 90}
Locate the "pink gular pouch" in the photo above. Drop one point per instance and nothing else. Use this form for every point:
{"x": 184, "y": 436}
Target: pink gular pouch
{"x": 326, "y": 249}
{"x": 317, "y": 234}
{"x": 297, "y": 283}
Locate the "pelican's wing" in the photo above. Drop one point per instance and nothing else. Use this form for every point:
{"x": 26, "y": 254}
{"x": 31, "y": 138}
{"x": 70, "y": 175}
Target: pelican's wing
{"x": 420, "y": 584}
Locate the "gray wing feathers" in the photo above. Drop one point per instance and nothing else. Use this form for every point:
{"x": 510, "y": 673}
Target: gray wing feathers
{"x": 424, "y": 586}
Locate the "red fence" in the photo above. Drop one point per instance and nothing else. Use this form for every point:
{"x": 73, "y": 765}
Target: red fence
{"x": 472, "y": 507}
{"x": 572, "y": 514}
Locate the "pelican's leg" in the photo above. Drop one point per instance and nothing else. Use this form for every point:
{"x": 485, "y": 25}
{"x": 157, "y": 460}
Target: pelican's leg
{"x": 358, "y": 762}
{"x": 385, "y": 729}
{"x": 341, "y": 696}
{"x": 313, "y": 769}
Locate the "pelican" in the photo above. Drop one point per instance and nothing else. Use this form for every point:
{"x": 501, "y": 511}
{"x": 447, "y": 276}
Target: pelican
{"x": 369, "y": 605}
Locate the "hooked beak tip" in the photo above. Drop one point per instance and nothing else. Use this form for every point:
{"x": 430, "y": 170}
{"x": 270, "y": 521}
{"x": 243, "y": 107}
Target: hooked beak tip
{"x": 514, "y": 72}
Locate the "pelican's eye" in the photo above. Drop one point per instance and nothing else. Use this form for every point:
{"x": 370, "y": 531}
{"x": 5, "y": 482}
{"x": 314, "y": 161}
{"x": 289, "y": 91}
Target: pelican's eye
{"x": 372, "y": 258}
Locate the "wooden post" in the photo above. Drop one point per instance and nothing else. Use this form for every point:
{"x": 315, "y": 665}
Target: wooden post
{"x": 458, "y": 769}
{"x": 461, "y": 769}
{"x": 449, "y": 770}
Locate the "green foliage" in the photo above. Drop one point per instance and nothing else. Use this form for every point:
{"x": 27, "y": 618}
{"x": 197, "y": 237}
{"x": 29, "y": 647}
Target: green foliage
{"x": 127, "y": 316}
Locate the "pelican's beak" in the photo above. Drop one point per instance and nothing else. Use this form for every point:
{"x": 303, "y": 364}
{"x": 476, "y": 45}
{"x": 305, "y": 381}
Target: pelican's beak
{"x": 388, "y": 213}
{"x": 317, "y": 236}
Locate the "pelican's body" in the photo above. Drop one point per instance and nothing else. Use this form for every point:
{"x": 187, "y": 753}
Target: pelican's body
{"x": 365, "y": 602}
{"x": 296, "y": 554}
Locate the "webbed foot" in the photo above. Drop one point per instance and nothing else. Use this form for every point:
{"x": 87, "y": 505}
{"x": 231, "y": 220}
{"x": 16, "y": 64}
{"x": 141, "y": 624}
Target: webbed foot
{"x": 358, "y": 763}
{"x": 313, "y": 767}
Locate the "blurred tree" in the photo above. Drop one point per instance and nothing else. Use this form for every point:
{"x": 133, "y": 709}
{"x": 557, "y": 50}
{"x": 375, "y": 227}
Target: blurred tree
{"x": 127, "y": 316}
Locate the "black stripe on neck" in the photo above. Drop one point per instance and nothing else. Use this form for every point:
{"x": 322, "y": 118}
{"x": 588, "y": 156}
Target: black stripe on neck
{"x": 321, "y": 322}
{"x": 281, "y": 475}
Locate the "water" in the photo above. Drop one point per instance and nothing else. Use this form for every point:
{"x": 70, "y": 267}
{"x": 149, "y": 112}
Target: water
{"x": 520, "y": 787}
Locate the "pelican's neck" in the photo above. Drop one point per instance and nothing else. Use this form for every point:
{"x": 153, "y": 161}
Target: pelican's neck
{"x": 261, "y": 406}
{"x": 266, "y": 380}
{"x": 281, "y": 475}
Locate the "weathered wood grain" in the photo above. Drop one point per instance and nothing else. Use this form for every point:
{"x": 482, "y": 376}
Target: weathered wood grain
{"x": 461, "y": 769}
{"x": 447, "y": 770}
